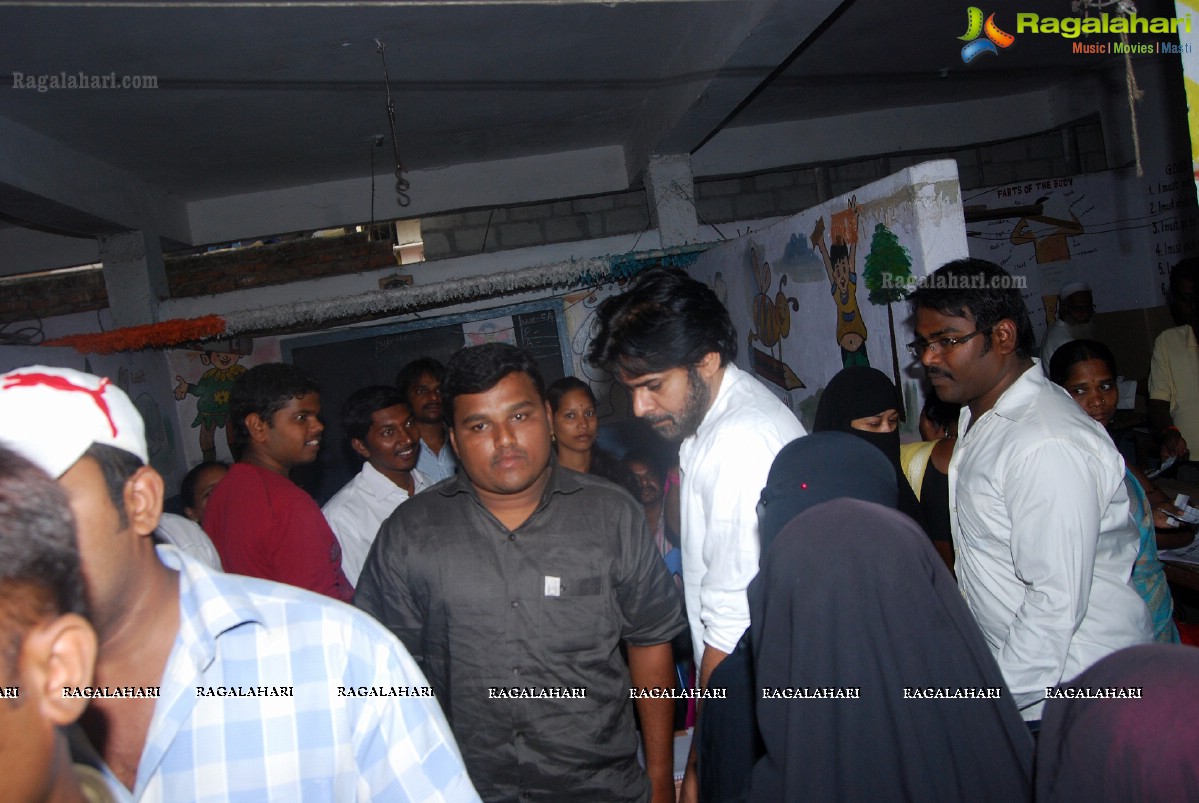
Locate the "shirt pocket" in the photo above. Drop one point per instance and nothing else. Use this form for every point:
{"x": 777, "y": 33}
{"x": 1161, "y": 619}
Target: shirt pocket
{"x": 581, "y": 617}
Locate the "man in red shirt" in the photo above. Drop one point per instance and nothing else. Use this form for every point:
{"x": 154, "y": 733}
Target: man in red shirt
{"x": 261, "y": 523}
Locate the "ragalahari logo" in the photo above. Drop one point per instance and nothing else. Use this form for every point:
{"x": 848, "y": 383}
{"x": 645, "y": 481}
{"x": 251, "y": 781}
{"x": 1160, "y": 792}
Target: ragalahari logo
{"x": 975, "y": 27}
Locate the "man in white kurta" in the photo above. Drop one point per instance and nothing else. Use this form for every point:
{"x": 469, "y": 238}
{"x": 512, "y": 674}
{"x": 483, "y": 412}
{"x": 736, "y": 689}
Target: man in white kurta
{"x": 723, "y": 468}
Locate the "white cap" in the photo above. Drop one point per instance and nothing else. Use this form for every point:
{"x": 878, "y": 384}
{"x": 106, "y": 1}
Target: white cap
{"x": 1072, "y": 288}
{"x": 53, "y": 415}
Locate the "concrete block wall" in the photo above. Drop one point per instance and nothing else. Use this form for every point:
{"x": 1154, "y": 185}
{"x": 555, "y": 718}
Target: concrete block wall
{"x": 481, "y": 231}
{"x": 1075, "y": 148}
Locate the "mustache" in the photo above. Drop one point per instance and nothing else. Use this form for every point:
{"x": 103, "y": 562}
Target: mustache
{"x": 932, "y": 370}
{"x": 509, "y": 453}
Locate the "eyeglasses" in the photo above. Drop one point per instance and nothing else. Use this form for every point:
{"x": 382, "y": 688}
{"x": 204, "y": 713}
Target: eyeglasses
{"x": 941, "y": 344}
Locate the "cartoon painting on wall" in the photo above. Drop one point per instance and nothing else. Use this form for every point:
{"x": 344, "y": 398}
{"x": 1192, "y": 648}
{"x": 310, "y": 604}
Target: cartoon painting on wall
{"x": 777, "y": 282}
{"x": 772, "y": 322}
{"x": 211, "y": 389}
{"x": 840, "y": 262}
{"x": 888, "y": 277}
{"x": 203, "y": 377}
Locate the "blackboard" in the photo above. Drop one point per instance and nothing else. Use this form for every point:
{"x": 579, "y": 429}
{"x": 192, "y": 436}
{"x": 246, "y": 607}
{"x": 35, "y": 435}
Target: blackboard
{"x": 347, "y": 360}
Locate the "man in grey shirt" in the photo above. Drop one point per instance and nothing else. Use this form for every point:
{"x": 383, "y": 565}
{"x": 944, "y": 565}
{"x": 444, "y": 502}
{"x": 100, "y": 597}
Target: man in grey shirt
{"x": 514, "y": 584}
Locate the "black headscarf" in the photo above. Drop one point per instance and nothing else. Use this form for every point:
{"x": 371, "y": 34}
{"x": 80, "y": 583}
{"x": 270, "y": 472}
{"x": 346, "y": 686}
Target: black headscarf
{"x": 1125, "y": 749}
{"x": 852, "y": 595}
{"x": 806, "y": 472}
{"x": 860, "y": 392}
{"x": 817, "y": 468}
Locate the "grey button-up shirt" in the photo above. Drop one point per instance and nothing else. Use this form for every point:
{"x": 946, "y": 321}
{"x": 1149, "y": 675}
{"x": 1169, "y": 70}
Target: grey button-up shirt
{"x": 544, "y": 607}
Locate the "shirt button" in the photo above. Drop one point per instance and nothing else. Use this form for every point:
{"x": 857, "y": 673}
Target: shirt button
{"x": 520, "y": 734}
{"x": 511, "y": 536}
{"x": 515, "y": 604}
{"x": 516, "y": 671}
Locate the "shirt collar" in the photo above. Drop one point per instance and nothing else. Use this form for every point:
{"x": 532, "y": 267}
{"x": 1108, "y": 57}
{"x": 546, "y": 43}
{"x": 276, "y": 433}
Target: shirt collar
{"x": 1015, "y": 402}
{"x": 210, "y": 603}
{"x": 732, "y": 375}
{"x": 381, "y": 486}
{"x": 561, "y": 481}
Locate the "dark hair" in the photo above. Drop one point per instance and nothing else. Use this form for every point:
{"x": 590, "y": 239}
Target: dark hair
{"x": 414, "y": 370}
{"x": 1073, "y": 352}
{"x": 650, "y": 457}
{"x": 1184, "y": 269}
{"x": 39, "y": 557}
{"x": 665, "y": 320}
{"x": 478, "y": 369}
{"x": 555, "y": 392}
{"x": 364, "y": 403}
{"x": 187, "y": 490}
{"x": 117, "y": 466}
{"x": 982, "y": 290}
{"x": 266, "y": 389}
{"x": 942, "y": 413}
{"x": 837, "y": 252}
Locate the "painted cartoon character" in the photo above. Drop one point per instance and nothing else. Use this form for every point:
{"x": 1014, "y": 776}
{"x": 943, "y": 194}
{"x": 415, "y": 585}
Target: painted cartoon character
{"x": 212, "y": 392}
{"x": 772, "y": 319}
{"x": 839, "y": 261}
{"x": 771, "y": 316}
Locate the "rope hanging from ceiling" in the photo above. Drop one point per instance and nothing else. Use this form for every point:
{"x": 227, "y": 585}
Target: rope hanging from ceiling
{"x": 1129, "y": 9}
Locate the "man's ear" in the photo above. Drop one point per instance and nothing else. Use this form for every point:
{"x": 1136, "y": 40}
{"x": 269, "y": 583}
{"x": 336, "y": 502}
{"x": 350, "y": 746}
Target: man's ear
{"x": 708, "y": 365}
{"x": 143, "y": 500}
{"x": 549, "y": 416}
{"x": 57, "y": 654}
{"x": 360, "y": 448}
{"x": 453, "y": 440}
{"x": 257, "y": 426}
{"x": 1003, "y": 336}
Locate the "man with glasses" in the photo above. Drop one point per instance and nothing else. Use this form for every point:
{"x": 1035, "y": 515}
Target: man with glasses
{"x": 1039, "y": 514}
{"x": 1174, "y": 371}
{"x": 1075, "y": 308}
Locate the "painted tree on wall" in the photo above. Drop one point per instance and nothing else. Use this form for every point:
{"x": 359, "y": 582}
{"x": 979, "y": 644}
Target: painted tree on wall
{"x": 888, "y": 277}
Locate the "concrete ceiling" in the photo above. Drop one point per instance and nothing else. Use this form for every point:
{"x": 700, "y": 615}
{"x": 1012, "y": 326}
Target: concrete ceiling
{"x": 257, "y": 100}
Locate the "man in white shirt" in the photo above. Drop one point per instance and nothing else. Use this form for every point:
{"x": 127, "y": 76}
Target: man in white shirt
{"x": 383, "y": 430}
{"x": 670, "y": 341}
{"x": 1075, "y": 308}
{"x": 1045, "y": 546}
{"x": 420, "y": 382}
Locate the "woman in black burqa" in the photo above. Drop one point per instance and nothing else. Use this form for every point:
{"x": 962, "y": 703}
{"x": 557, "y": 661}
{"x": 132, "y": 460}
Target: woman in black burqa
{"x": 806, "y": 472}
{"x": 1108, "y": 749}
{"x": 864, "y": 402}
{"x": 852, "y": 595}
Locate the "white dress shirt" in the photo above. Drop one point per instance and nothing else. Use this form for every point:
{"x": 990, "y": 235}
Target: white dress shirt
{"x": 359, "y": 508}
{"x": 1045, "y": 546}
{"x": 723, "y": 468}
{"x": 187, "y": 536}
{"x": 436, "y": 466}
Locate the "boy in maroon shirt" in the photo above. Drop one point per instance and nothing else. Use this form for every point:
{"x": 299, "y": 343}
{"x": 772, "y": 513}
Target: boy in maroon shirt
{"x": 261, "y": 523}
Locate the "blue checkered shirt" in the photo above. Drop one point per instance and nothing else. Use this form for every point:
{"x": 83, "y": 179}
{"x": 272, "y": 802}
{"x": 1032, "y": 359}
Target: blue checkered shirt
{"x": 328, "y": 742}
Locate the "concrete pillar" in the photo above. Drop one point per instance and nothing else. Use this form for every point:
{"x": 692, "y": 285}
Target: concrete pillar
{"x": 134, "y": 276}
{"x": 671, "y": 192}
